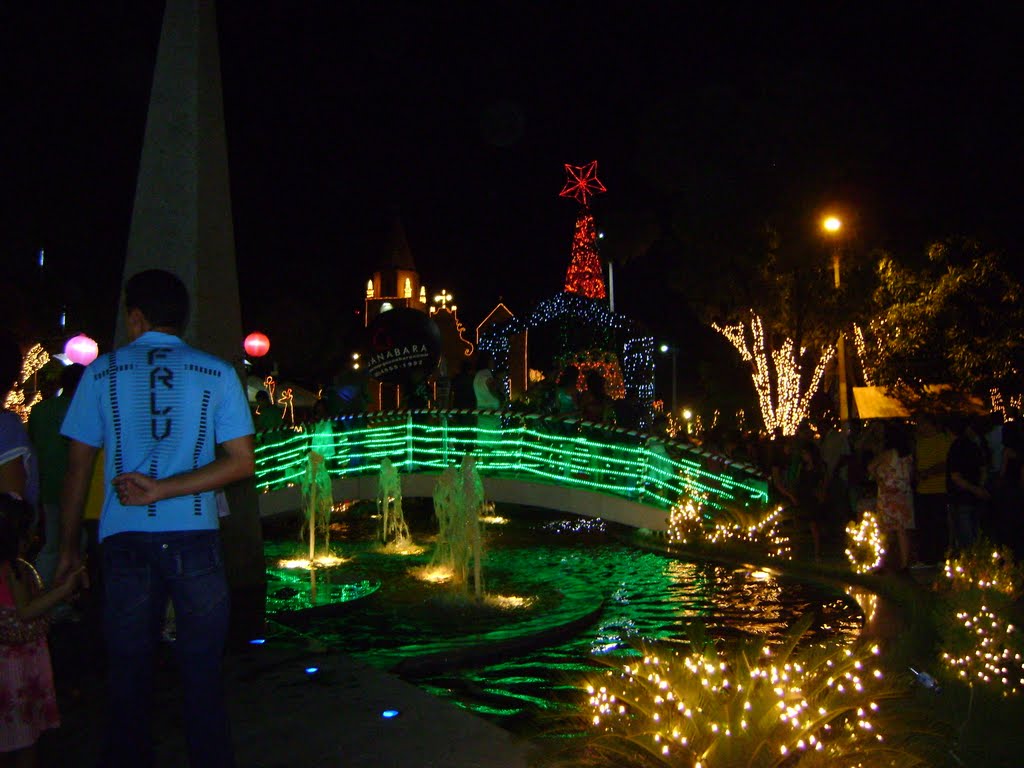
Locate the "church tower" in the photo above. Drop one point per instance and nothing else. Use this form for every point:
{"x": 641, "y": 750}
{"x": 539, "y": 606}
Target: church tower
{"x": 396, "y": 283}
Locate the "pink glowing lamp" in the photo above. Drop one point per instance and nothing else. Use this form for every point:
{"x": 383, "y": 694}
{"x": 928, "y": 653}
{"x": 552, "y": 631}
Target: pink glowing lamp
{"x": 81, "y": 349}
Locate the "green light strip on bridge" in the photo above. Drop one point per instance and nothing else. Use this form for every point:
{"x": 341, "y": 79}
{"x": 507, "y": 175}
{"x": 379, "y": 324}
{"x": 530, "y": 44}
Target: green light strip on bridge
{"x": 620, "y": 465}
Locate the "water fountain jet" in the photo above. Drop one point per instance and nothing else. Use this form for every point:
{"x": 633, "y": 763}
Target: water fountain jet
{"x": 458, "y": 502}
{"x": 394, "y": 531}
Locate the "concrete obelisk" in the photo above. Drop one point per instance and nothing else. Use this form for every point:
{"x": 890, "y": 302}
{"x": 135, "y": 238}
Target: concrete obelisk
{"x": 181, "y": 222}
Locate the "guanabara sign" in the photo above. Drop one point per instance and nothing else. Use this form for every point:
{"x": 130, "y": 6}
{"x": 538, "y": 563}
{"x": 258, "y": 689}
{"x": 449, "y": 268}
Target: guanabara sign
{"x": 403, "y": 345}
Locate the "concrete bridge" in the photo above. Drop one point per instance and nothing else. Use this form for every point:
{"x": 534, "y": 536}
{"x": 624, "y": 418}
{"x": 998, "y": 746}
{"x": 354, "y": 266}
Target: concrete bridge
{"x": 578, "y": 467}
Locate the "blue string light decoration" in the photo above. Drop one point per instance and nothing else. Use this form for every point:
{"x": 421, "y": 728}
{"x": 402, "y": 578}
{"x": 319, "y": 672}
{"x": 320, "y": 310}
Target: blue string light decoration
{"x": 635, "y": 350}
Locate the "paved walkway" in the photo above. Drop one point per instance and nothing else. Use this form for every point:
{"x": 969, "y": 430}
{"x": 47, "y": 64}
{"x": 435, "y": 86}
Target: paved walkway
{"x": 283, "y": 717}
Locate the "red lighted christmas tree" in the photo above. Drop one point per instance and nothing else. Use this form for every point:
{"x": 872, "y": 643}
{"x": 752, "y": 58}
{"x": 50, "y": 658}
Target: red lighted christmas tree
{"x": 584, "y": 275}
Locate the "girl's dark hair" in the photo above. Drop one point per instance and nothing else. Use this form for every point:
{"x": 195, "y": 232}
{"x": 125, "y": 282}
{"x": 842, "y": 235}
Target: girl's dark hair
{"x": 897, "y": 437}
{"x": 15, "y": 515}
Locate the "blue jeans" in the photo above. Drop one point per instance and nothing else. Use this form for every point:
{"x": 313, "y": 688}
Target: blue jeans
{"x": 141, "y": 571}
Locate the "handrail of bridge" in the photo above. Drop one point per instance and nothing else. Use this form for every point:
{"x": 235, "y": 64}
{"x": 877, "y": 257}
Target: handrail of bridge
{"x": 508, "y": 444}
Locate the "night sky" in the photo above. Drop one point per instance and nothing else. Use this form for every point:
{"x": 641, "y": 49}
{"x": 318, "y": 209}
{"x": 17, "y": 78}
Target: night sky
{"x": 461, "y": 116}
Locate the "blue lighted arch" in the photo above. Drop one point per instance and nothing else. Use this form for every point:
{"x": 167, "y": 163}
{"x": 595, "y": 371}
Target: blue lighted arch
{"x": 635, "y": 350}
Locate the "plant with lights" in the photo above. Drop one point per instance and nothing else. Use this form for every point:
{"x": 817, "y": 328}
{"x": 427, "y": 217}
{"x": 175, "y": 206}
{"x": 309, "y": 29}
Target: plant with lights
{"x": 986, "y": 567}
{"x": 770, "y": 290}
{"x": 1003, "y": 405}
{"x": 784, "y": 392}
{"x": 18, "y": 400}
{"x": 760, "y": 529}
{"x": 979, "y": 646}
{"x": 864, "y": 547}
{"x": 862, "y": 353}
{"x": 752, "y": 705}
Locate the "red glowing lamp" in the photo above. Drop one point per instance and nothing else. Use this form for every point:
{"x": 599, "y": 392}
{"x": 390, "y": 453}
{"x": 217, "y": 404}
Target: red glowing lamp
{"x": 256, "y": 344}
{"x": 81, "y": 349}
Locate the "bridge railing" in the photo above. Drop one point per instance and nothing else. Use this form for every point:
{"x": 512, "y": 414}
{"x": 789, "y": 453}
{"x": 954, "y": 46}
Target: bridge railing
{"x": 505, "y": 444}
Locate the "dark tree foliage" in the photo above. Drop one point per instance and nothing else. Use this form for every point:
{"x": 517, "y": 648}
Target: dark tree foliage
{"x": 955, "y": 319}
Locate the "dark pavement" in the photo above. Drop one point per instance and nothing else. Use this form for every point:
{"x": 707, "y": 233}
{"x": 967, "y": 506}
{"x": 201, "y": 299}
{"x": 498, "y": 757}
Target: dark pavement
{"x": 281, "y": 715}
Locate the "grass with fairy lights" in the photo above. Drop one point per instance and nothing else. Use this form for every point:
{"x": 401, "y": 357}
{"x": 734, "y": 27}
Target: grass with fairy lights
{"x": 754, "y": 705}
{"x": 980, "y": 646}
{"x": 759, "y": 530}
{"x": 986, "y": 567}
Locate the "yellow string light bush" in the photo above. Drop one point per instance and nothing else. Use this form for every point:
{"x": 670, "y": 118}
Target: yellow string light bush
{"x": 18, "y": 399}
{"x": 987, "y": 567}
{"x": 864, "y": 540}
{"x": 979, "y": 646}
{"x": 756, "y": 706}
{"x": 983, "y": 649}
{"x": 760, "y": 529}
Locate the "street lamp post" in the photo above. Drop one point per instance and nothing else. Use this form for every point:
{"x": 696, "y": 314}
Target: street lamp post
{"x": 832, "y": 225}
{"x": 674, "y": 351}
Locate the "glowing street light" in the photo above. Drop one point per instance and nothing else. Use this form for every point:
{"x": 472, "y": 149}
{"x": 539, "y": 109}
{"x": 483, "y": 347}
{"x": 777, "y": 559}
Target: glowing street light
{"x": 666, "y": 348}
{"x": 831, "y": 225}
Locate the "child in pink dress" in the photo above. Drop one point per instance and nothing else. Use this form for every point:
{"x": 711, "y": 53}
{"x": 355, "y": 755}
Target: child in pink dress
{"x": 28, "y": 703}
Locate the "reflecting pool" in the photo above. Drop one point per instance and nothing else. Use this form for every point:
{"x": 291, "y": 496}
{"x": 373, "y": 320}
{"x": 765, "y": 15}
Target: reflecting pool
{"x": 561, "y": 589}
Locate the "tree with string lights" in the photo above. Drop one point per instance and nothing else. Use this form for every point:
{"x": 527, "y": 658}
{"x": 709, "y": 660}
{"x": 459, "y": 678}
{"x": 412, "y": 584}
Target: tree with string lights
{"x": 773, "y": 298}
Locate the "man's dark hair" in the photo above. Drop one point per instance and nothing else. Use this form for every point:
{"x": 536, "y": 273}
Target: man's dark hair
{"x": 160, "y": 296}
{"x": 69, "y": 378}
{"x": 10, "y": 362}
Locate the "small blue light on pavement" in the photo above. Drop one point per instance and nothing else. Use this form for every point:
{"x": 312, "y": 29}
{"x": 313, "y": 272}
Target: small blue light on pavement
{"x": 257, "y": 641}
{"x": 312, "y": 670}
{"x": 387, "y": 714}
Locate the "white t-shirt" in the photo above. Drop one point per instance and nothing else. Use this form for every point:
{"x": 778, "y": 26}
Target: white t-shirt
{"x": 483, "y": 382}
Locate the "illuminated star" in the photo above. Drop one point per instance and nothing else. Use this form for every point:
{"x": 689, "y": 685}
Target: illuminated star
{"x": 582, "y": 181}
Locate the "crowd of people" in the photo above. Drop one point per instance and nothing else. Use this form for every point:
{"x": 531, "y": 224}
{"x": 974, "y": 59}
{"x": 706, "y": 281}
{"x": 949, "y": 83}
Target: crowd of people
{"x": 934, "y": 483}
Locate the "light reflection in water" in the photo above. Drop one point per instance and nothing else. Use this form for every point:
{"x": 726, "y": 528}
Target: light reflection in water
{"x": 570, "y": 565}
{"x": 868, "y": 602}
